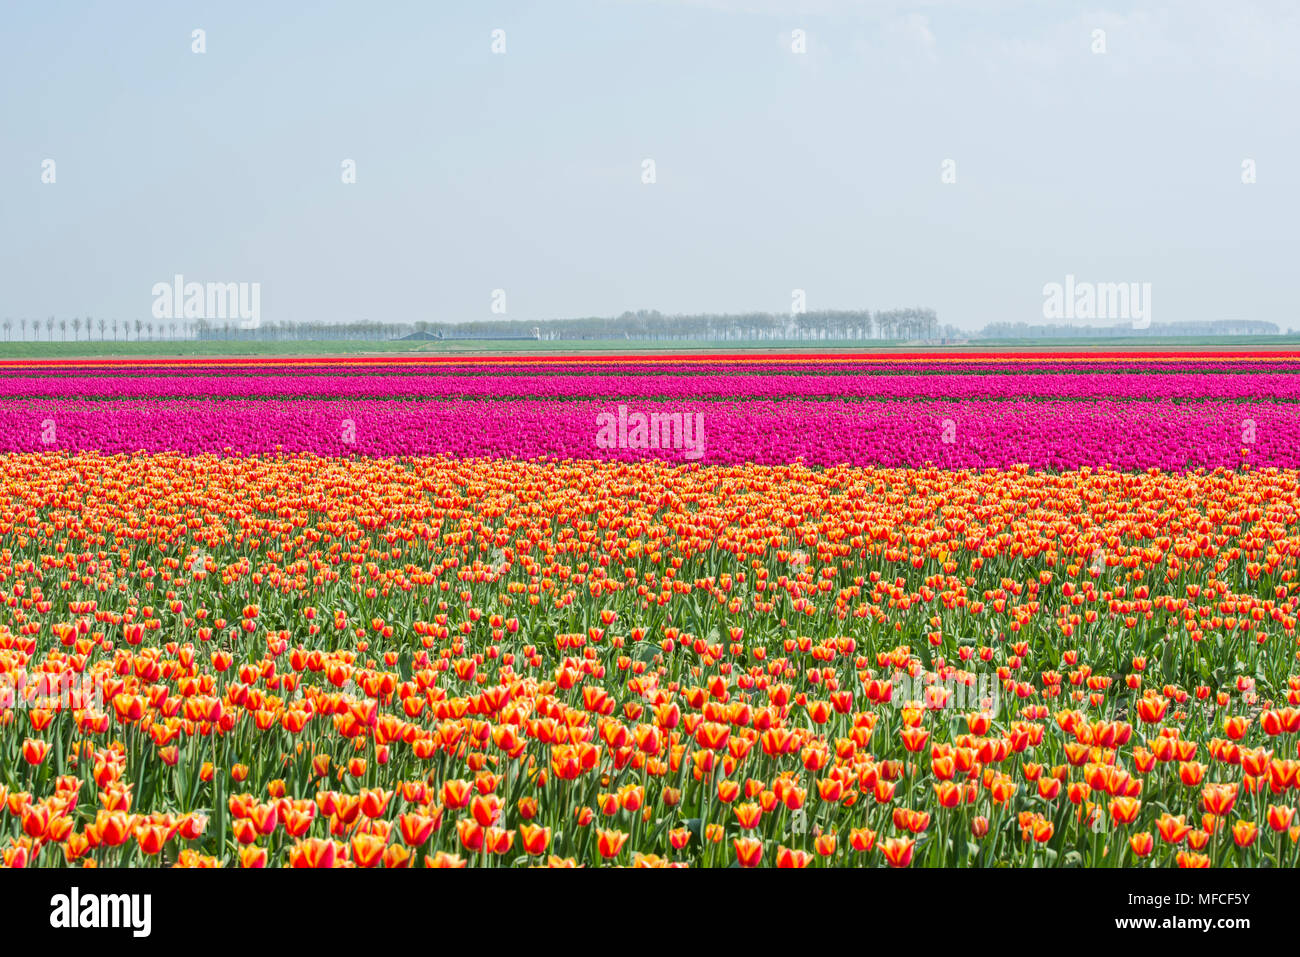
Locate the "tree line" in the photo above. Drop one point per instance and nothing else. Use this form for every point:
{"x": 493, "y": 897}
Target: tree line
{"x": 648, "y": 326}
{"x": 914, "y": 323}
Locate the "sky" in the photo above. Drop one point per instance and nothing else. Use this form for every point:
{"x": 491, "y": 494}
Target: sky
{"x": 775, "y": 170}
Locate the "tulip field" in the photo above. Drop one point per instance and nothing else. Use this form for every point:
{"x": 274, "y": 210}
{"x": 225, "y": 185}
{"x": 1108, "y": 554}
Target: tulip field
{"x": 890, "y": 611}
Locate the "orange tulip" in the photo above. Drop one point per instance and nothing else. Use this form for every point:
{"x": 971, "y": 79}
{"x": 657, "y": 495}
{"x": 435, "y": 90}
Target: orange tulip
{"x": 444, "y": 860}
{"x": 252, "y": 857}
{"x": 1124, "y": 810}
{"x": 1244, "y": 833}
{"x": 416, "y": 829}
{"x": 1219, "y": 798}
{"x": 485, "y": 809}
{"x": 898, "y": 851}
{"x": 1172, "y": 829}
{"x": 35, "y": 750}
{"x": 535, "y": 839}
{"x": 1279, "y": 818}
{"x": 470, "y": 833}
{"x": 374, "y": 801}
{"x": 610, "y": 843}
{"x": 151, "y": 838}
{"x": 113, "y": 827}
{"x": 749, "y": 851}
{"x": 313, "y": 853}
{"x": 792, "y": 858}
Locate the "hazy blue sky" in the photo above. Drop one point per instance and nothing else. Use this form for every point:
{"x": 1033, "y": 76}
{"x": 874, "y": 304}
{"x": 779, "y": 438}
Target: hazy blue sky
{"x": 775, "y": 170}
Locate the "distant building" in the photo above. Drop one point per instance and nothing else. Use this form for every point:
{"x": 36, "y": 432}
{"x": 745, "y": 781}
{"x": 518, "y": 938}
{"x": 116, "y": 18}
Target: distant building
{"x": 1217, "y": 327}
{"x": 443, "y": 337}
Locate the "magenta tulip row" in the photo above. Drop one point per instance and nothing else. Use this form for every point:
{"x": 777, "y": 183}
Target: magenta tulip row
{"x": 1182, "y": 386}
{"x": 1042, "y": 433}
